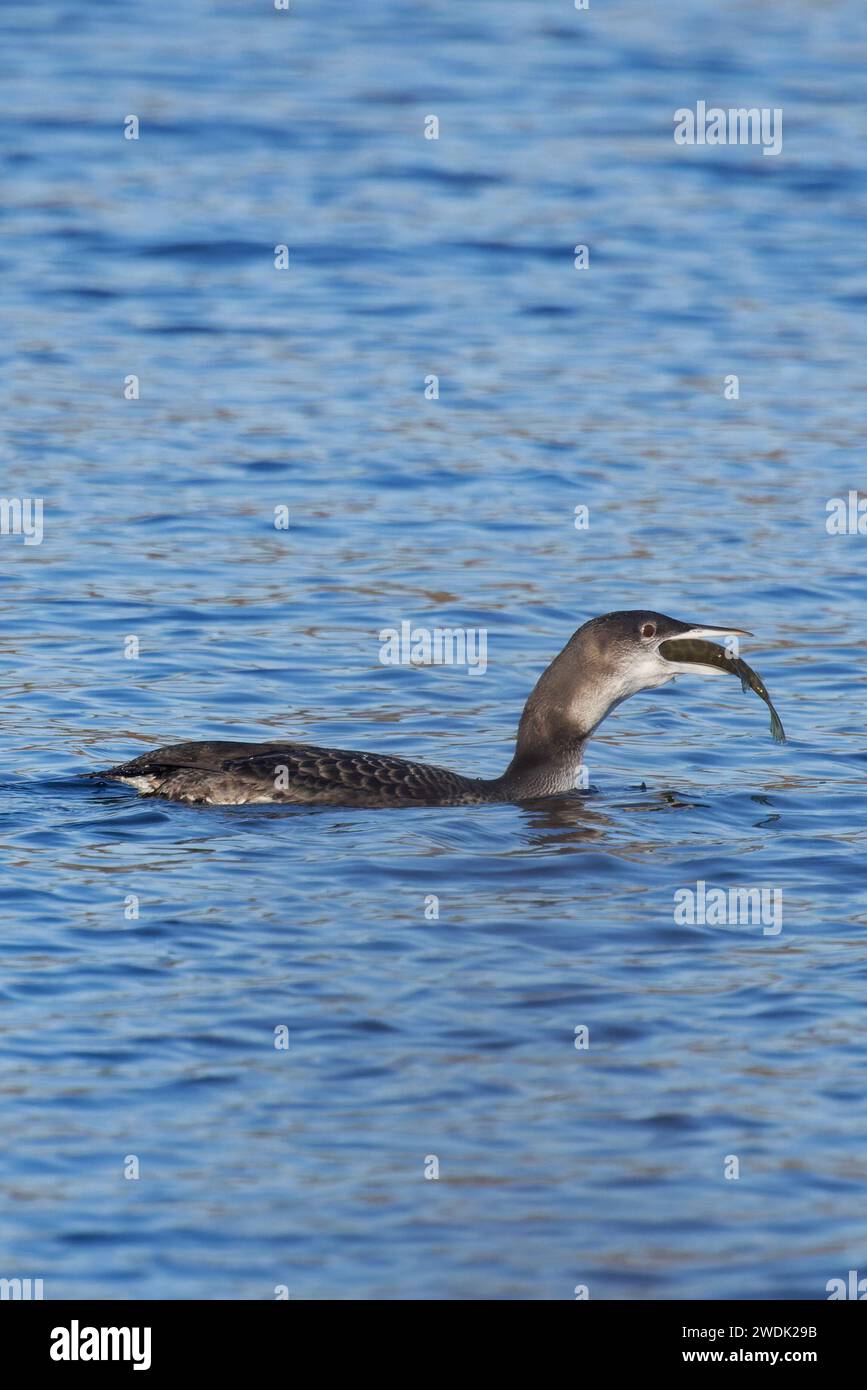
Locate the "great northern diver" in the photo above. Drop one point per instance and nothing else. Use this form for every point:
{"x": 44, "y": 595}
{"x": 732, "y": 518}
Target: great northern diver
{"x": 602, "y": 664}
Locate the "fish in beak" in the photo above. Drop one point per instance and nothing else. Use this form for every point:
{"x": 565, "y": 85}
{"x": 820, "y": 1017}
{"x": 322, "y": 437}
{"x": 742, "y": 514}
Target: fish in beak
{"x": 689, "y": 650}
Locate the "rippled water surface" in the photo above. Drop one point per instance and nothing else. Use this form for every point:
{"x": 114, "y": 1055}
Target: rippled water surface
{"x": 412, "y": 1036}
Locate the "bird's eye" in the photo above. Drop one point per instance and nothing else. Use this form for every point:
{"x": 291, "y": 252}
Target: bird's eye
{"x": 649, "y": 630}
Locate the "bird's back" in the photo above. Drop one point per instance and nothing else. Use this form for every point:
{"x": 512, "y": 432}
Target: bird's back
{"x": 228, "y": 773}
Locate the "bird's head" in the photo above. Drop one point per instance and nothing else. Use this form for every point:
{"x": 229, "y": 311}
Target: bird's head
{"x": 638, "y": 650}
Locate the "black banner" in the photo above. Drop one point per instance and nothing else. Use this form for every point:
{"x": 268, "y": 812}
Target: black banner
{"x": 158, "y": 1339}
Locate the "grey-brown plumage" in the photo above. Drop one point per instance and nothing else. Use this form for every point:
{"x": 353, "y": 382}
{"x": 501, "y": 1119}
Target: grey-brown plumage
{"x": 604, "y": 662}
{"x": 244, "y": 773}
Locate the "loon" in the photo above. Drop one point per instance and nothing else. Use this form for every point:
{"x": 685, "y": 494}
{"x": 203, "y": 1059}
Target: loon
{"x": 603, "y": 663}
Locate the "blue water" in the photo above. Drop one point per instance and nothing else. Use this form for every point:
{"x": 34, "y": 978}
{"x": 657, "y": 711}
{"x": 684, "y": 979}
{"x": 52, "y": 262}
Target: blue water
{"x": 409, "y": 1036}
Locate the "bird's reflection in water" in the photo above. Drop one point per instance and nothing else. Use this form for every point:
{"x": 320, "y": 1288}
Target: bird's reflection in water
{"x": 575, "y": 818}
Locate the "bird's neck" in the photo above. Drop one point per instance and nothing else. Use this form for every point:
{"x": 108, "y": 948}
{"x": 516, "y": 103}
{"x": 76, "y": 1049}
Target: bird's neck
{"x": 569, "y": 701}
{"x": 557, "y": 770}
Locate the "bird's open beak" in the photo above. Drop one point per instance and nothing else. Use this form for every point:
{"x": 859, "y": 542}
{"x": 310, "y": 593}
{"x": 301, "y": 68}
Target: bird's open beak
{"x": 689, "y": 632}
{"x": 682, "y": 651}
